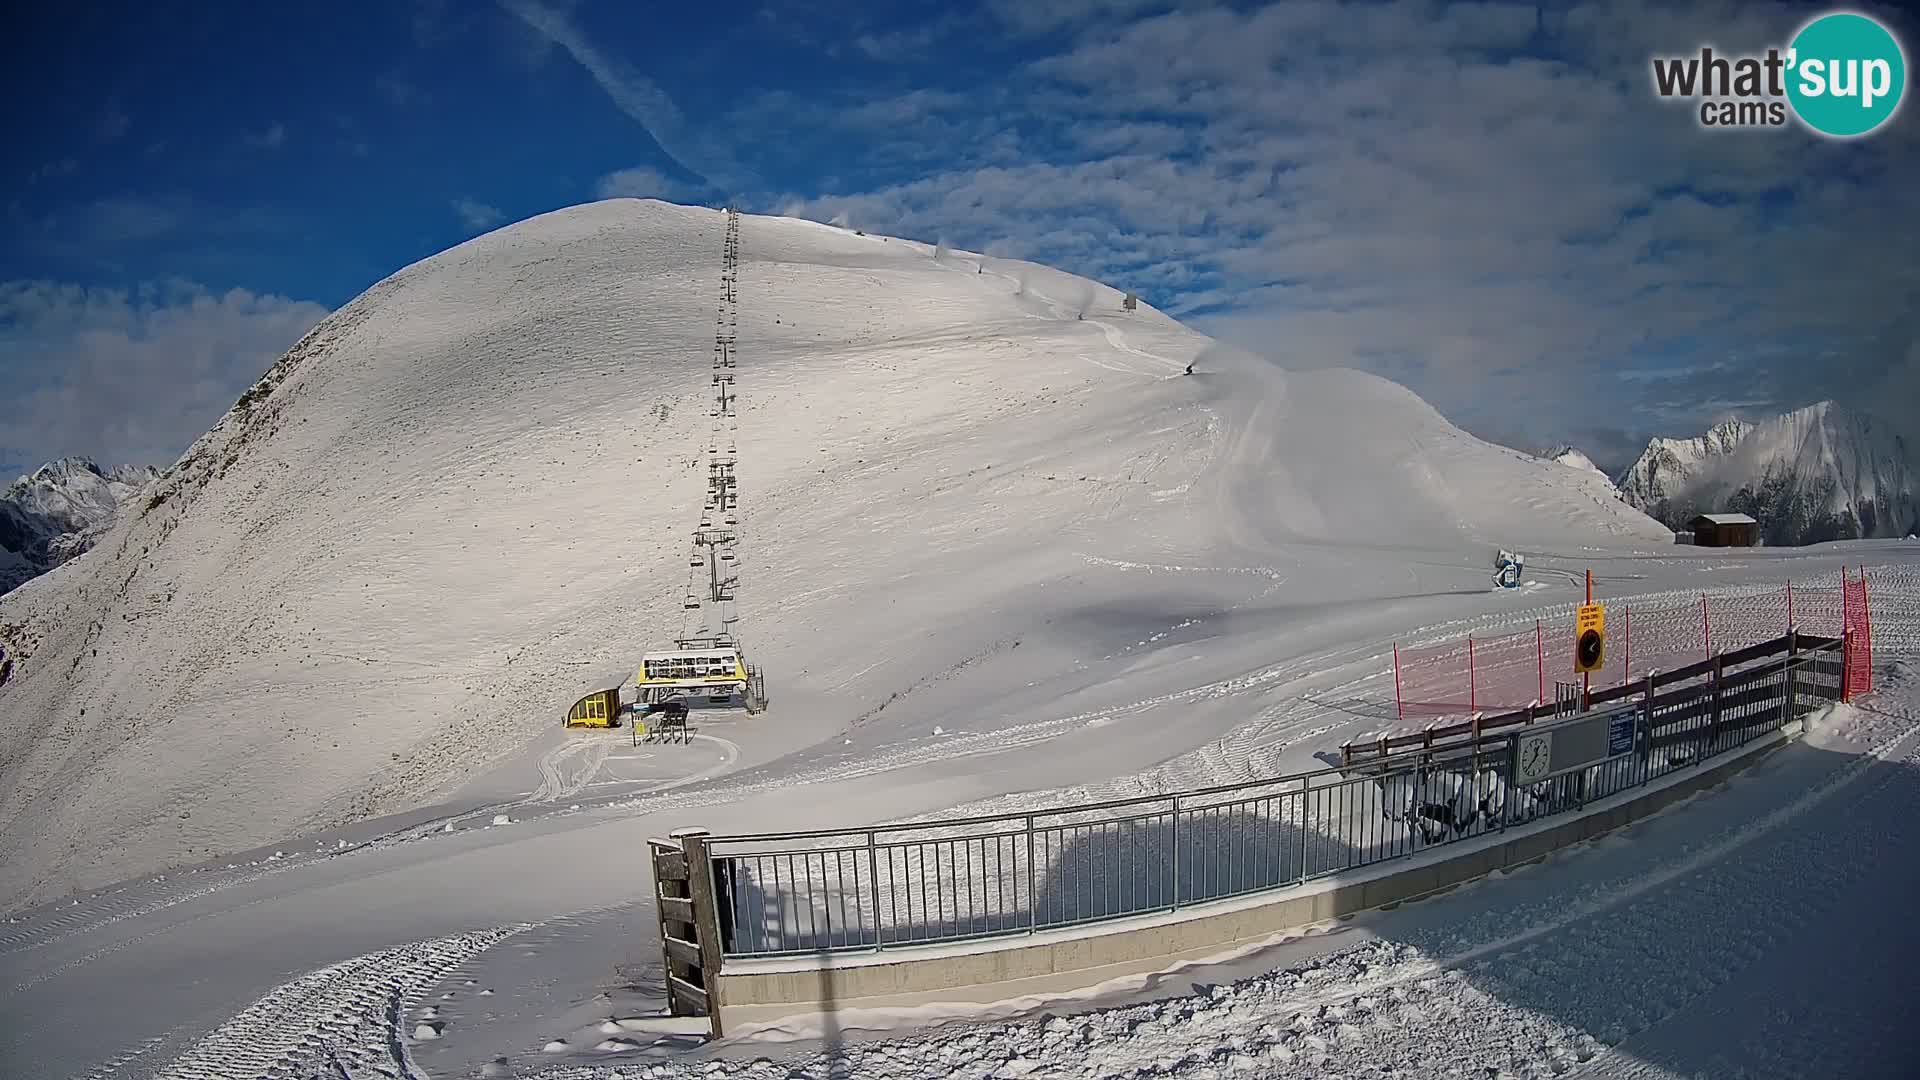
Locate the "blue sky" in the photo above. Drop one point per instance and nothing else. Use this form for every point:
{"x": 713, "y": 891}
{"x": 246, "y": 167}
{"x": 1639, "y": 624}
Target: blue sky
{"x": 1480, "y": 200}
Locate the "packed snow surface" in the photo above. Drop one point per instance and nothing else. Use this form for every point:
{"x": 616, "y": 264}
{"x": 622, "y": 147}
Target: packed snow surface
{"x": 998, "y": 550}
{"x": 1758, "y": 931}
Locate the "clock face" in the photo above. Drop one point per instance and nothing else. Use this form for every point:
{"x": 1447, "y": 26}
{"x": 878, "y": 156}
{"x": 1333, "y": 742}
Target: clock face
{"x": 1535, "y": 752}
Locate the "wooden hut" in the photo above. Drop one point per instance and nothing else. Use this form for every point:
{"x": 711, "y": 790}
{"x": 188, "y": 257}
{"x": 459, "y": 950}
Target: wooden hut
{"x": 1725, "y": 530}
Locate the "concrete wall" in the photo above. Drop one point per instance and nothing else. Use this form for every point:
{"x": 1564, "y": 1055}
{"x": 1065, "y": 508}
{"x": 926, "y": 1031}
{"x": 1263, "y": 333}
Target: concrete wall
{"x": 759, "y": 990}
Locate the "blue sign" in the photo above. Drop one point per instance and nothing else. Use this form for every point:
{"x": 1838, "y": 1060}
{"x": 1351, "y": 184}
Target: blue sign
{"x": 1620, "y": 733}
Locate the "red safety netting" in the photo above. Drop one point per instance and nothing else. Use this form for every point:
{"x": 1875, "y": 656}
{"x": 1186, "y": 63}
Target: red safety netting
{"x": 1736, "y": 622}
{"x": 1432, "y": 680}
{"x": 1500, "y": 673}
{"x": 1858, "y": 677}
{"x": 1655, "y": 638}
{"x": 1506, "y": 671}
{"x": 1818, "y": 611}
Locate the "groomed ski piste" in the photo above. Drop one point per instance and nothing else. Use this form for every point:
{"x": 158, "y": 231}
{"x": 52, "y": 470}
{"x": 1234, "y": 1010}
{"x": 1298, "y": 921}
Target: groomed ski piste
{"x": 317, "y": 817}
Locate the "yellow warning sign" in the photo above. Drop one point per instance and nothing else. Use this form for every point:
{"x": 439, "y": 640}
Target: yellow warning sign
{"x": 1590, "y": 638}
{"x": 1591, "y": 617}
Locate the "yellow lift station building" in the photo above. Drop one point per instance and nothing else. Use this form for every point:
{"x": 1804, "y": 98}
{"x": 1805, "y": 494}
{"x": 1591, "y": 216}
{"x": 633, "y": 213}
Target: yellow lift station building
{"x": 714, "y": 672}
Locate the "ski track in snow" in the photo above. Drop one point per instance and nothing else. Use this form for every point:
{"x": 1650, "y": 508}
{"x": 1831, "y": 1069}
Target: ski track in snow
{"x": 352, "y": 1014}
{"x": 1414, "y": 988}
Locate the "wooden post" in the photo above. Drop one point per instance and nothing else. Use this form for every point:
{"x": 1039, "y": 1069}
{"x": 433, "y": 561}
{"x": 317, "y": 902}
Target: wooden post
{"x": 1399, "y": 710}
{"x": 1793, "y": 651}
{"x": 679, "y": 929}
{"x": 1713, "y": 717}
{"x": 1540, "y": 660}
{"x": 1648, "y": 723}
{"x": 1472, "y": 696}
{"x": 1626, "y": 640}
{"x": 1706, "y": 627}
{"x": 1866, "y": 635}
{"x": 693, "y": 842}
{"x": 1846, "y": 638}
{"x": 661, "y": 894}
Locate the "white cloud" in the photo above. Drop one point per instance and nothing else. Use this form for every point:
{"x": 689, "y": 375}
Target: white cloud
{"x": 636, "y": 95}
{"x": 639, "y": 182}
{"x": 53, "y": 170}
{"x": 271, "y": 139}
{"x": 102, "y": 234}
{"x": 398, "y": 91}
{"x": 477, "y": 215}
{"x": 910, "y": 44}
{"x": 1389, "y": 185}
{"x": 113, "y": 121}
{"x": 130, "y": 376}
{"x": 1045, "y": 16}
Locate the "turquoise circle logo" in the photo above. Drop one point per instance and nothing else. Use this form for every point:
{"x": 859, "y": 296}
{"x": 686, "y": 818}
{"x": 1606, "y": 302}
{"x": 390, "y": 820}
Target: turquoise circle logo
{"x": 1847, "y": 74}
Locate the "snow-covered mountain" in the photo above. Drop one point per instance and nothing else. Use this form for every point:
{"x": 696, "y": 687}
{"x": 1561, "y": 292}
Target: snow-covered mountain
{"x": 1669, "y": 467}
{"x": 57, "y": 512}
{"x": 1574, "y": 458}
{"x": 466, "y": 498}
{"x": 1823, "y": 472}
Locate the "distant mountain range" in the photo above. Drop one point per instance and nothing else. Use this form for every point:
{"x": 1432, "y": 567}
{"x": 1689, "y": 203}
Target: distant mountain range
{"x": 57, "y": 512}
{"x": 1824, "y": 472}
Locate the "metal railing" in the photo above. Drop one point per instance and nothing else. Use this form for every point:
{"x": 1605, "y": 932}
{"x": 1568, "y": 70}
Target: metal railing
{"x": 968, "y": 878}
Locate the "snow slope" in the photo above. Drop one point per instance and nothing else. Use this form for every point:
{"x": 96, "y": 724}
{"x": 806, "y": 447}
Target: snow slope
{"x": 1823, "y": 472}
{"x": 522, "y": 931}
{"x": 464, "y": 499}
{"x": 57, "y": 512}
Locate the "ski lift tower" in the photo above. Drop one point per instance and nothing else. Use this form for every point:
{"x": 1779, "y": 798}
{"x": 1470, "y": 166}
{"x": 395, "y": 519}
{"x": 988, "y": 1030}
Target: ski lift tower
{"x": 718, "y": 545}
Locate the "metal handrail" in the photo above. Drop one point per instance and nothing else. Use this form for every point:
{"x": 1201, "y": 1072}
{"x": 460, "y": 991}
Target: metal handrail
{"x": 1372, "y": 764}
{"x": 919, "y": 882}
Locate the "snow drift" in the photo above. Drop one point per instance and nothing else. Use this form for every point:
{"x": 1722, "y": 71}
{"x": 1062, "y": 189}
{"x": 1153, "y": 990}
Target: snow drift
{"x": 464, "y": 499}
